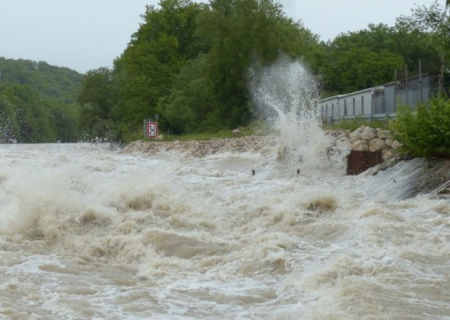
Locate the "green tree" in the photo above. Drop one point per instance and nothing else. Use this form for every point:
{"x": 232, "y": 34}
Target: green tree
{"x": 65, "y": 120}
{"x": 25, "y": 118}
{"x": 433, "y": 21}
{"x": 97, "y": 100}
{"x": 361, "y": 68}
{"x": 51, "y": 82}
{"x": 96, "y": 91}
{"x": 157, "y": 51}
{"x": 9, "y": 128}
{"x": 241, "y": 33}
{"x": 190, "y": 63}
{"x": 192, "y": 100}
{"x": 37, "y": 102}
{"x": 372, "y": 55}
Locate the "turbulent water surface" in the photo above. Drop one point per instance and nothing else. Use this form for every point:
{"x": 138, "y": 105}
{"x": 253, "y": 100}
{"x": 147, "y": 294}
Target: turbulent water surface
{"x": 87, "y": 232}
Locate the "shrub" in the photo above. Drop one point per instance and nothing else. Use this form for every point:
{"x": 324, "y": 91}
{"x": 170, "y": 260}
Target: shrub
{"x": 426, "y": 131}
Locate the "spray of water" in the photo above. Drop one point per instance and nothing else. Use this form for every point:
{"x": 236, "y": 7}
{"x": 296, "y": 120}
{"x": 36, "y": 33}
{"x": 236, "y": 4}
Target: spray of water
{"x": 6, "y": 129}
{"x": 285, "y": 95}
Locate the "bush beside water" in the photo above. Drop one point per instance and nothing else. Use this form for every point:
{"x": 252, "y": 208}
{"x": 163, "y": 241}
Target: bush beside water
{"x": 424, "y": 132}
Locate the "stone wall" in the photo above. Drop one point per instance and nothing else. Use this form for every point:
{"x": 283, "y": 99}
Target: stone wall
{"x": 367, "y": 139}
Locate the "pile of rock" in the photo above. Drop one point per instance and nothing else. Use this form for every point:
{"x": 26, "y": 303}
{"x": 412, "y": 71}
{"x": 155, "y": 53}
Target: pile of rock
{"x": 367, "y": 139}
{"x": 362, "y": 139}
{"x": 261, "y": 144}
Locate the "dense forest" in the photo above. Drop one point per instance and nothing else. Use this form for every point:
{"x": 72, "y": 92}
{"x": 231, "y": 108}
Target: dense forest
{"x": 38, "y": 102}
{"x": 189, "y": 64}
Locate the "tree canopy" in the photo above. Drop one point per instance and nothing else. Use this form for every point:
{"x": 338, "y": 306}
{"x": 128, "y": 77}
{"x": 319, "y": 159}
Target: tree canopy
{"x": 37, "y": 102}
{"x": 49, "y": 81}
{"x": 189, "y": 65}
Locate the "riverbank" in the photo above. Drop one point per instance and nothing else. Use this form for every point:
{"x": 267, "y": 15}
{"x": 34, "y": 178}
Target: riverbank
{"x": 362, "y": 139}
{"x": 428, "y": 174}
{"x": 194, "y": 148}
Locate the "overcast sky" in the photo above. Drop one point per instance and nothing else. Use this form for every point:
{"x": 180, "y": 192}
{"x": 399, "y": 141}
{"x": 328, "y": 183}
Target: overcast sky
{"x": 89, "y": 34}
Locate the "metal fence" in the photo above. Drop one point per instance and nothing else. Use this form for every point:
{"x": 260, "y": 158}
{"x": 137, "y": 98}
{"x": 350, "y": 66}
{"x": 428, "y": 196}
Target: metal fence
{"x": 382, "y": 102}
{"x": 410, "y": 88}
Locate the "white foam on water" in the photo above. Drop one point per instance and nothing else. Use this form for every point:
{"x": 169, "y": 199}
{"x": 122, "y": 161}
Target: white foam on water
{"x": 95, "y": 234}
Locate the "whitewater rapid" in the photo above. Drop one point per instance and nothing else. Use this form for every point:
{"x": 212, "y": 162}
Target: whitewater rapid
{"x": 87, "y": 232}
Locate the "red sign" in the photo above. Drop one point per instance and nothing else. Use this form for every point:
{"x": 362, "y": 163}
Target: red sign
{"x": 152, "y": 129}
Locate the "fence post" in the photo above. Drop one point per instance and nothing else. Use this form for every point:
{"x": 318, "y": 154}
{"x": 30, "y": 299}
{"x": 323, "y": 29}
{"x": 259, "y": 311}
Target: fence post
{"x": 420, "y": 82}
{"x": 395, "y": 92}
{"x": 406, "y": 86}
{"x": 441, "y": 77}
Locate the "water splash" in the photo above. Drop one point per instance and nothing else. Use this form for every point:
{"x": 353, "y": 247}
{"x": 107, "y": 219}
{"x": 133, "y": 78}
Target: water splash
{"x": 7, "y": 130}
{"x": 285, "y": 95}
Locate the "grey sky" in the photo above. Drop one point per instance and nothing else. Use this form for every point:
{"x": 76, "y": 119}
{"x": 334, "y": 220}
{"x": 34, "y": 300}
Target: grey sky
{"x": 88, "y": 34}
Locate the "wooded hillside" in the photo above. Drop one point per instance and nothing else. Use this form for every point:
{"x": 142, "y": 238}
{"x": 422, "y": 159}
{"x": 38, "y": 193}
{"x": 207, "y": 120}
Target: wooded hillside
{"x": 38, "y": 102}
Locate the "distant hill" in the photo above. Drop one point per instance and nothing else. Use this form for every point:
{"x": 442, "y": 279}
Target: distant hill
{"x": 38, "y": 102}
{"x": 51, "y": 82}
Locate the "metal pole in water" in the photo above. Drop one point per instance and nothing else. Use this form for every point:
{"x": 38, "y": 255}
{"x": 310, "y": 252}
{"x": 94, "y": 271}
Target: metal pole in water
{"x": 253, "y": 172}
{"x": 298, "y": 171}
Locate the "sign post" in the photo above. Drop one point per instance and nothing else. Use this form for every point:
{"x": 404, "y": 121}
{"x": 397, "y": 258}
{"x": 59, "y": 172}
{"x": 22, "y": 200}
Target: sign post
{"x": 152, "y": 129}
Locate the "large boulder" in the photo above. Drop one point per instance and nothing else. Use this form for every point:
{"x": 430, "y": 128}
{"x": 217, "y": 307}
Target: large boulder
{"x": 344, "y": 142}
{"x": 360, "y": 145}
{"x": 389, "y": 142}
{"x": 383, "y": 134}
{"x": 396, "y": 144}
{"x": 356, "y": 135}
{"x": 387, "y": 154}
{"x": 377, "y": 144}
{"x": 368, "y": 133}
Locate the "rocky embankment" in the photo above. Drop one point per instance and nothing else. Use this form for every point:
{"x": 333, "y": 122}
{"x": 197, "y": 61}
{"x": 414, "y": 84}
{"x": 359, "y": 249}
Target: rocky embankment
{"x": 362, "y": 139}
{"x": 260, "y": 144}
{"x": 416, "y": 176}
